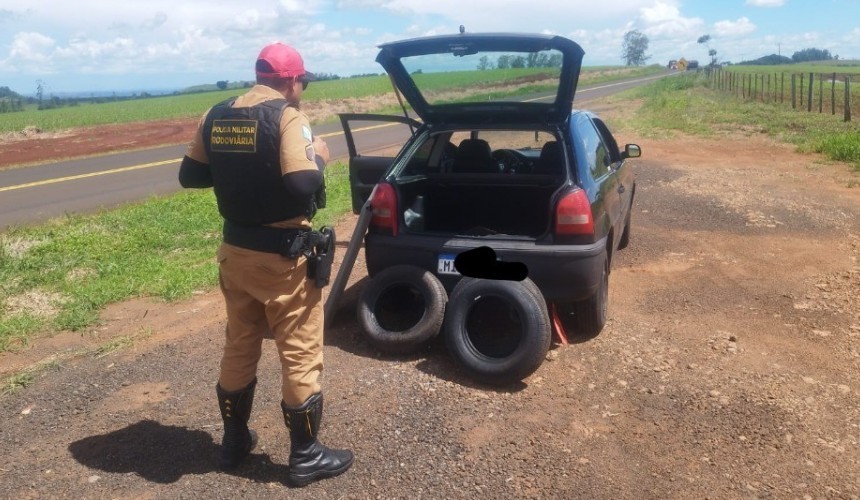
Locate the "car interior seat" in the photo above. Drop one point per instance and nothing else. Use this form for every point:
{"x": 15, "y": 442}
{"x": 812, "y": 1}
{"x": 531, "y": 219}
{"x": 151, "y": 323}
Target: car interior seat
{"x": 551, "y": 160}
{"x": 474, "y": 156}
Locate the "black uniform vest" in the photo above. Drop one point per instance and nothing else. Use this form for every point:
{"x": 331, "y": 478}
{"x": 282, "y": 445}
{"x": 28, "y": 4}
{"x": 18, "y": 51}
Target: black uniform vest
{"x": 243, "y": 145}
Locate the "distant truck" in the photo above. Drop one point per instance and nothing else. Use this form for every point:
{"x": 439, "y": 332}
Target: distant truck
{"x": 684, "y": 65}
{"x": 673, "y": 64}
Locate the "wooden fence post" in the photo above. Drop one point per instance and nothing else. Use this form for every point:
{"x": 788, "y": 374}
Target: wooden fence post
{"x": 793, "y": 92}
{"x": 767, "y": 91}
{"x": 847, "y": 98}
{"x": 755, "y": 88}
{"x": 820, "y": 93}
{"x": 809, "y": 98}
{"x": 800, "y": 93}
{"x": 782, "y": 88}
{"x": 802, "y": 76}
{"x": 833, "y": 95}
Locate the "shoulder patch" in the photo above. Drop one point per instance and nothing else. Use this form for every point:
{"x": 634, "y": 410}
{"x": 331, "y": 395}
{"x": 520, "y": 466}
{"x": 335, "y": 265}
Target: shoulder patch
{"x": 306, "y": 133}
{"x": 310, "y": 153}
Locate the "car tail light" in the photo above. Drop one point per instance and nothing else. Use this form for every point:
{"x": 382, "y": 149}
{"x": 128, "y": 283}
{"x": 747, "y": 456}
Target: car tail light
{"x": 573, "y": 215}
{"x": 383, "y": 205}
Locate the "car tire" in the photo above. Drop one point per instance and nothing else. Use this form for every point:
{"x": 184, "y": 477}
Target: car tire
{"x": 625, "y": 236}
{"x": 499, "y": 330}
{"x": 589, "y": 315}
{"x": 401, "y": 308}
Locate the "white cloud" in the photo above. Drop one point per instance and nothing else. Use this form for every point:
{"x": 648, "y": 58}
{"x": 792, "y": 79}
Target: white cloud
{"x": 34, "y": 48}
{"x": 492, "y": 15}
{"x": 664, "y": 19}
{"x": 766, "y": 3}
{"x": 362, "y": 31}
{"x": 742, "y": 26}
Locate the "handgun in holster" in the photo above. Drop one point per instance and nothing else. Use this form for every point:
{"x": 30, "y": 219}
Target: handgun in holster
{"x": 321, "y": 255}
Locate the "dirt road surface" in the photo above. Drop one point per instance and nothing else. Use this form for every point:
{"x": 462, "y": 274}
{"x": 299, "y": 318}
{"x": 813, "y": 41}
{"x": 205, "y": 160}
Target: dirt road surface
{"x": 730, "y": 368}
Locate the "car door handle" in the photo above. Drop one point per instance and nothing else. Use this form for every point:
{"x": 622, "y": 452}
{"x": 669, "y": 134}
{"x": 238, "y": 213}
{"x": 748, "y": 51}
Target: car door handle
{"x": 621, "y": 189}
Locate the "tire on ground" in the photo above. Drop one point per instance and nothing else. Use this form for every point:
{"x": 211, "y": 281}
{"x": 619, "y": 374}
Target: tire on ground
{"x": 499, "y": 330}
{"x": 401, "y": 308}
{"x": 588, "y": 317}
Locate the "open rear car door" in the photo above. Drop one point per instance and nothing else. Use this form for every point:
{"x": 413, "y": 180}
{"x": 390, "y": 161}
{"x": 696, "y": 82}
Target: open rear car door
{"x": 373, "y": 142}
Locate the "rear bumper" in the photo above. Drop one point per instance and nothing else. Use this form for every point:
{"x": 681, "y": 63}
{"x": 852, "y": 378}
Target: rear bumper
{"x": 562, "y": 272}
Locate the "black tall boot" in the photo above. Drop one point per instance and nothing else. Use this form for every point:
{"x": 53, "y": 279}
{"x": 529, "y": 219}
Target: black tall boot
{"x": 309, "y": 459}
{"x": 238, "y": 440}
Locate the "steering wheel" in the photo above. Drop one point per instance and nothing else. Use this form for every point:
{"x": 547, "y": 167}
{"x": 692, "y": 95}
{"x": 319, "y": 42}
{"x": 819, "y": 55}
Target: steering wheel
{"x": 512, "y": 161}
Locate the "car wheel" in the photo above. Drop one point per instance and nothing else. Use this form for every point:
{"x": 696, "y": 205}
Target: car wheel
{"x": 625, "y": 236}
{"x": 401, "y": 308}
{"x": 499, "y": 330}
{"x": 589, "y": 315}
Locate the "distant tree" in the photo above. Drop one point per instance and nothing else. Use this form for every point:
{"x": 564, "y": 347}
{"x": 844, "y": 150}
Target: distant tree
{"x": 518, "y": 62}
{"x": 811, "y": 54}
{"x": 504, "y": 62}
{"x": 771, "y": 60}
{"x": 222, "y": 84}
{"x": 326, "y": 76}
{"x": 40, "y": 91}
{"x": 634, "y": 47}
{"x": 7, "y": 92}
{"x": 706, "y": 41}
{"x": 538, "y": 60}
{"x": 484, "y": 64}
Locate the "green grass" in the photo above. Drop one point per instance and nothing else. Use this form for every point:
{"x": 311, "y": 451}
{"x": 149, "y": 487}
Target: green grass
{"x": 686, "y": 104}
{"x": 24, "y": 378}
{"x": 17, "y": 382}
{"x": 194, "y": 105}
{"x": 59, "y": 275}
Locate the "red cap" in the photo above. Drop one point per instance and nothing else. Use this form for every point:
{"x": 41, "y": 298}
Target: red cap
{"x": 284, "y": 60}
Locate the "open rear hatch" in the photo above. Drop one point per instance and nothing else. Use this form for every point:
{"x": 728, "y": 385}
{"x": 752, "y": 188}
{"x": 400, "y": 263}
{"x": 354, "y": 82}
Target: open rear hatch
{"x": 476, "y": 78}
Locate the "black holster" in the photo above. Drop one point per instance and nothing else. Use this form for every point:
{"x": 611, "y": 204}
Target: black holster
{"x": 320, "y": 255}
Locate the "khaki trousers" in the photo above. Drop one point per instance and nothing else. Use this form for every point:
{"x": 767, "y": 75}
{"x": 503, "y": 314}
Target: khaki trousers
{"x": 265, "y": 291}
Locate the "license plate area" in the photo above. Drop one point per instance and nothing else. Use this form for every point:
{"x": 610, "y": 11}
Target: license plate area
{"x": 445, "y": 264}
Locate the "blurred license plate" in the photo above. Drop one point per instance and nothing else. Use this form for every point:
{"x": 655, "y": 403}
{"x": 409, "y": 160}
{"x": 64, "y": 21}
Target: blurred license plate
{"x": 446, "y": 264}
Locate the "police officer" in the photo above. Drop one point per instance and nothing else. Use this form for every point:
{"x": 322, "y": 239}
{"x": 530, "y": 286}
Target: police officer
{"x": 266, "y": 167}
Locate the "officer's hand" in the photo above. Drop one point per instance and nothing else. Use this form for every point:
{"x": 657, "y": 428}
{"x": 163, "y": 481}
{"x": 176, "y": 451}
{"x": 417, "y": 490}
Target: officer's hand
{"x": 321, "y": 149}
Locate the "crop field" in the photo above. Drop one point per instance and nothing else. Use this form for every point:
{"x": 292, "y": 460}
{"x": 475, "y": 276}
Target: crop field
{"x": 842, "y": 68}
{"x": 194, "y": 105}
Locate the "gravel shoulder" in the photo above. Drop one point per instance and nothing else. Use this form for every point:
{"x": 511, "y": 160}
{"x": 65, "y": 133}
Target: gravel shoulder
{"x": 730, "y": 368}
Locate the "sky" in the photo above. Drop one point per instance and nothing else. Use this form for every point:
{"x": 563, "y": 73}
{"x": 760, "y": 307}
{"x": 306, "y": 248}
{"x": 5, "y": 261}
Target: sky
{"x": 136, "y": 45}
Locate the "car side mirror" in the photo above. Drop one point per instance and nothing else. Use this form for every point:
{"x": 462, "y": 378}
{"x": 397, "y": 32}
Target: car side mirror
{"x": 631, "y": 151}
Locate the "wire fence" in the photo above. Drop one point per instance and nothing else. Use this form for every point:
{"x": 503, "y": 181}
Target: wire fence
{"x": 811, "y": 92}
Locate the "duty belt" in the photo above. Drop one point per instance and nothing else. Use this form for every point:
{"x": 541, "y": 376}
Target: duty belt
{"x": 287, "y": 242}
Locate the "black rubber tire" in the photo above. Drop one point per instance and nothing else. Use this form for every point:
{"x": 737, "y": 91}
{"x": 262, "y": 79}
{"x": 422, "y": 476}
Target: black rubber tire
{"x": 401, "y": 308}
{"x": 625, "y": 236}
{"x": 499, "y": 330}
{"x": 589, "y": 315}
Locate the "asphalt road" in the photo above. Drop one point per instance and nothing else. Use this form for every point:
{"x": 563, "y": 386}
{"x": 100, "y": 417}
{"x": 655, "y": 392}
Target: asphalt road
{"x": 35, "y": 194}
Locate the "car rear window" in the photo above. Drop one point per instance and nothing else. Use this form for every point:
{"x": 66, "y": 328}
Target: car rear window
{"x": 482, "y": 151}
